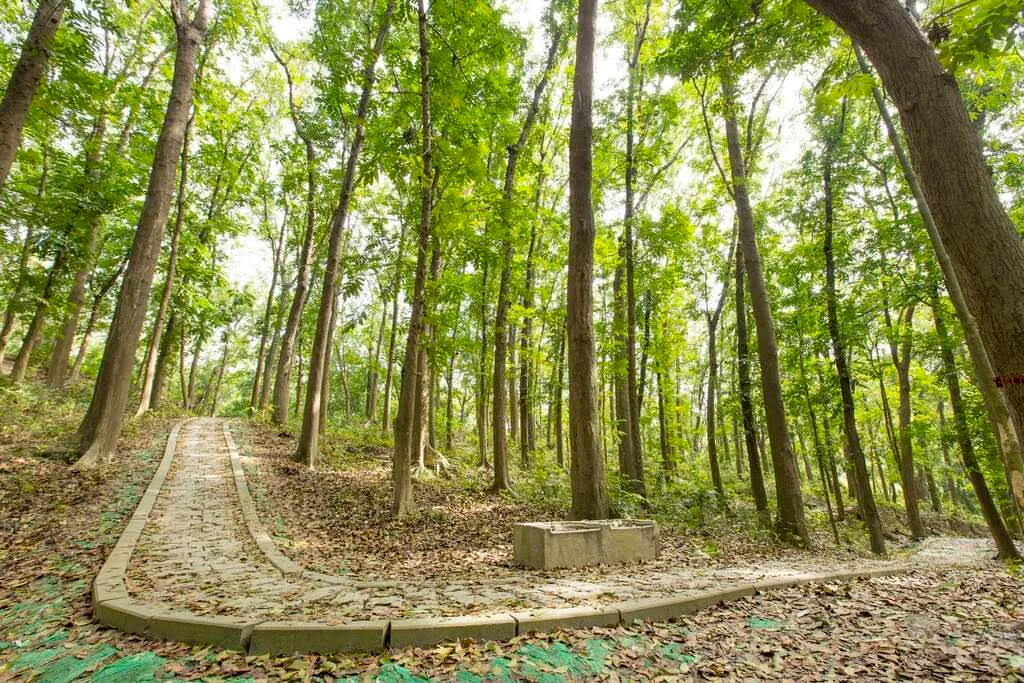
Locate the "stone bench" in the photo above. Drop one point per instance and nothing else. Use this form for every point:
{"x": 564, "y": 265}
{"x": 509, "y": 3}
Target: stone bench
{"x": 551, "y": 545}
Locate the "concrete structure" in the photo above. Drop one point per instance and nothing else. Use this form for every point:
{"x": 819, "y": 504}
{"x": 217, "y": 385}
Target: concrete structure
{"x": 552, "y": 545}
{"x": 260, "y": 632}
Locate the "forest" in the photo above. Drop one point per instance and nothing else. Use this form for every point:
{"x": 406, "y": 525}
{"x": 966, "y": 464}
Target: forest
{"x": 752, "y": 269}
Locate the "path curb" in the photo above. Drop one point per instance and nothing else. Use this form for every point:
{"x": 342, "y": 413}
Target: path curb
{"x": 113, "y": 607}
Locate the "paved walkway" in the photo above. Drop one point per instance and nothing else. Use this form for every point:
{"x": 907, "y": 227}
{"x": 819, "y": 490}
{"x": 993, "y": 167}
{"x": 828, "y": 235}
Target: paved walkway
{"x": 196, "y": 552}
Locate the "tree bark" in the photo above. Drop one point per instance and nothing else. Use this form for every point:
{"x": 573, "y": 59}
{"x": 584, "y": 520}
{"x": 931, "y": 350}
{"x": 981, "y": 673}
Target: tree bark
{"x": 25, "y": 79}
{"x": 101, "y": 426}
{"x": 283, "y": 373}
{"x": 865, "y": 499}
{"x": 589, "y": 500}
{"x": 26, "y": 253}
{"x": 790, "y": 524}
{"x": 308, "y": 446}
{"x": 996, "y": 404}
{"x": 901, "y": 360}
{"x": 150, "y": 396}
{"x": 984, "y": 249}
{"x": 408, "y": 429}
{"x": 94, "y": 314}
{"x": 501, "y": 333}
{"x": 994, "y": 521}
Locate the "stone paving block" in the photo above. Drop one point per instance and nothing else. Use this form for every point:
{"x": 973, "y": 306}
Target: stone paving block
{"x": 291, "y": 637}
{"x": 545, "y": 620}
{"x": 661, "y": 609}
{"x": 225, "y": 632}
{"x": 124, "y": 614}
{"x": 424, "y": 632}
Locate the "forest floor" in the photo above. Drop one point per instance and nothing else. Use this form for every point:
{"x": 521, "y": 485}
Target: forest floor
{"x": 57, "y": 528}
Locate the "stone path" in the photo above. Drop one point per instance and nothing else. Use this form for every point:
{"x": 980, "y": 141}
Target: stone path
{"x": 197, "y": 553}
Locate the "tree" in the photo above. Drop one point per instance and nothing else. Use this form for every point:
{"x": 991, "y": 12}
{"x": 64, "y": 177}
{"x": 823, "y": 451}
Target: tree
{"x": 985, "y": 251}
{"x": 790, "y": 523}
{"x": 408, "y": 429}
{"x": 101, "y": 426}
{"x": 308, "y": 446}
{"x": 589, "y": 500}
{"x": 25, "y": 79}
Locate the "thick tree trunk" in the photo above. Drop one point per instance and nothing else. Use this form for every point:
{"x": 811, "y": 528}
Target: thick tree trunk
{"x": 790, "y": 524}
{"x": 996, "y": 404}
{"x": 101, "y": 426}
{"x": 308, "y": 446}
{"x": 985, "y": 252}
{"x": 150, "y": 397}
{"x": 408, "y": 423}
{"x": 25, "y": 79}
{"x": 589, "y": 500}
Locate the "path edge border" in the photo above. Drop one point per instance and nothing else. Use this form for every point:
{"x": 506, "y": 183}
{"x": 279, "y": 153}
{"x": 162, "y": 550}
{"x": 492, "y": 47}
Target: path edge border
{"x": 113, "y": 607}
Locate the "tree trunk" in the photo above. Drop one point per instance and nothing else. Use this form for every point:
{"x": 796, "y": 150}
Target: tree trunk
{"x": 501, "y": 332}
{"x": 1004, "y": 543}
{"x": 275, "y": 346}
{"x": 746, "y": 402}
{"x": 308, "y": 446}
{"x": 408, "y": 429}
{"x": 35, "y": 327}
{"x": 373, "y": 376}
{"x": 25, "y": 79}
{"x": 865, "y": 499}
{"x": 150, "y": 396}
{"x": 76, "y": 369}
{"x": 901, "y": 360}
{"x": 481, "y": 384}
{"x": 589, "y": 500}
{"x": 101, "y": 426}
{"x": 790, "y": 524}
{"x": 262, "y": 355}
{"x": 985, "y": 252}
{"x": 26, "y": 253}
{"x": 385, "y": 420}
{"x": 283, "y": 373}
{"x": 996, "y": 404}
{"x": 557, "y": 397}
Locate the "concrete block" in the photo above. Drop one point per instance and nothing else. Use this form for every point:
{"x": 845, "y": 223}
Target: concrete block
{"x": 124, "y": 614}
{"x": 225, "y": 632}
{"x": 662, "y": 609}
{"x": 542, "y": 621}
{"x": 424, "y": 632}
{"x": 552, "y": 545}
{"x": 289, "y": 637}
{"x": 108, "y": 586}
